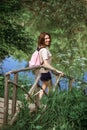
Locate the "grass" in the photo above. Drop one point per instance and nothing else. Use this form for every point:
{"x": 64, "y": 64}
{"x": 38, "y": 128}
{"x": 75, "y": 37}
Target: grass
{"x": 66, "y": 110}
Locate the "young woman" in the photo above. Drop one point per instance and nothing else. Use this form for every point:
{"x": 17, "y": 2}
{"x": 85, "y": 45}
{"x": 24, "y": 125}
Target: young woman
{"x": 44, "y": 42}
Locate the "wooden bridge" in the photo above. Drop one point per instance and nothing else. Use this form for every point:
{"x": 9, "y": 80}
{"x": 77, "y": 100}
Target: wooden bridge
{"x": 9, "y": 108}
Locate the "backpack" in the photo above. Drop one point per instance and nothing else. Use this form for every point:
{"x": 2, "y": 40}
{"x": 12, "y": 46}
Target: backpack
{"x": 35, "y": 59}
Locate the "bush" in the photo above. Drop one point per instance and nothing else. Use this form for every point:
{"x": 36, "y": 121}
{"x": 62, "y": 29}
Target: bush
{"x": 65, "y": 111}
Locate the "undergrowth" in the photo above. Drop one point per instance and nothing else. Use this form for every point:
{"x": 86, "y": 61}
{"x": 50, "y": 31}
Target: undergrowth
{"x": 66, "y": 110}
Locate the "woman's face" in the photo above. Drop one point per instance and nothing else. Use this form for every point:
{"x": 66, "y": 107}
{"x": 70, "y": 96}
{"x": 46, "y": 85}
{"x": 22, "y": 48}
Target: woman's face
{"x": 47, "y": 40}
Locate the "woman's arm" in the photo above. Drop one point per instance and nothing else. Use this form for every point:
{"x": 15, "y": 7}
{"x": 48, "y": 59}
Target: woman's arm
{"x": 46, "y": 64}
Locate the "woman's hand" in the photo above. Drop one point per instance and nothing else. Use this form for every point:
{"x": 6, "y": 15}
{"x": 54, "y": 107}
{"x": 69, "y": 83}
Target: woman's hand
{"x": 60, "y": 72}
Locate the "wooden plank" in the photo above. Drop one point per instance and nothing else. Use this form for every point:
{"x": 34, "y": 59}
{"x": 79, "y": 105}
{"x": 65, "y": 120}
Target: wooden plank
{"x": 2, "y": 111}
{"x": 1, "y": 115}
{"x": 10, "y": 100}
{"x": 1, "y": 121}
{"x": 18, "y": 105}
{"x": 10, "y": 104}
{"x": 1, "y": 99}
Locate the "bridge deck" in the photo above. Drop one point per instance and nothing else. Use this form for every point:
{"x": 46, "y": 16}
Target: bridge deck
{"x": 9, "y": 109}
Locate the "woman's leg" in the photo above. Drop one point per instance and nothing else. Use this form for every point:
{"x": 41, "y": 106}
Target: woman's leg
{"x": 49, "y": 87}
{"x": 44, "y": 86}
{"x": 46, "y": 81}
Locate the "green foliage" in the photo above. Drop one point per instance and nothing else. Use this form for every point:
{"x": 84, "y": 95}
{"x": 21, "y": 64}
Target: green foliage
{"x": 64, "y": 111}
{"x": 1, "y": 85}
{"x": 22, "y": 21}
{"x": 14, "y": 40}
{"x": 9, "y": 5}
{"x": 66, "y": 21}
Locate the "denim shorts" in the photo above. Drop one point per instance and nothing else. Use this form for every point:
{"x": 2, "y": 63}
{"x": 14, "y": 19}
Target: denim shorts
{"x": 45, "y": 76}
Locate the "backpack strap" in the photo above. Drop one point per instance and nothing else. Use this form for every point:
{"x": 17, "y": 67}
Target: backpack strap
{"x": 38, "y": 49}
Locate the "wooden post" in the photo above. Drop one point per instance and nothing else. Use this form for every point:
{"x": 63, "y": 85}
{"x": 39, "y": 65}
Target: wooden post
{"x": 13, "y": 118}
{"x": 14, "y": 94}
{"x": 34, "y": 85}
{"x": 70, "y": 83}
{"x": 37, "y": 100}
{"x": 57, "y": 81}
{"x": 6, "y": 99}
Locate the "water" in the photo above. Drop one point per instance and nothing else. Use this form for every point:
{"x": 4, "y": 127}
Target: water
{"x": 9, "y": 64}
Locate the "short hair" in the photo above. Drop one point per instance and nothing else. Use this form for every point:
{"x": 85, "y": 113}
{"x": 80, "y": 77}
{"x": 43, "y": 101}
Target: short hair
{"x": 41, "y": 38}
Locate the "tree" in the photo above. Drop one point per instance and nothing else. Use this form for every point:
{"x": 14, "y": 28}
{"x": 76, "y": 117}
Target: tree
{"x": 21, "y": 21}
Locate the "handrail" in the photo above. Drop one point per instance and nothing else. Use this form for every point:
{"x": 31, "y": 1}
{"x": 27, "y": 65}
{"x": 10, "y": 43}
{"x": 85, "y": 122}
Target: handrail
{"x": 23, "y": 90}
{"x": 15, "y": 83}
{"x": 23, "y": 69}
{"x": 41, "y": 66}
{"x": 31, "y": 68}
